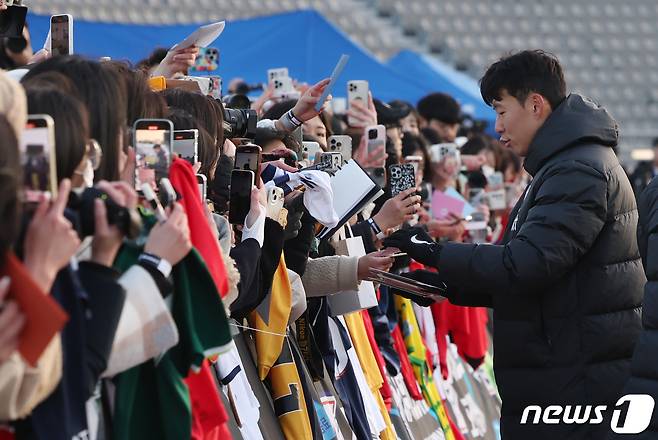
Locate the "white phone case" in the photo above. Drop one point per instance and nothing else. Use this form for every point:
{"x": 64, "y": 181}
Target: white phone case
{"x": 274, "y": 202}
{"x": 311, "y": 149}
{"x": 356, "y": 90}
{"x": 273, "y": 74}
{"x": 341, "y": 144}
{"x": 283, "y": 86}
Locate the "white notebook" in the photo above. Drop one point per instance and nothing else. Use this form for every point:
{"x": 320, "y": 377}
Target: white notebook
{"x": 353, "y": 190}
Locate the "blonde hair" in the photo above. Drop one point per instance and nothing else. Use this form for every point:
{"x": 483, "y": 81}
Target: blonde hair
{"x": 13, "y": 103}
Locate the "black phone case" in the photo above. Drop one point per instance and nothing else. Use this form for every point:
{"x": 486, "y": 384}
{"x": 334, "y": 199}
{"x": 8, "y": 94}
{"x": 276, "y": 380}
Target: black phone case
{"x": 401, "y": 178}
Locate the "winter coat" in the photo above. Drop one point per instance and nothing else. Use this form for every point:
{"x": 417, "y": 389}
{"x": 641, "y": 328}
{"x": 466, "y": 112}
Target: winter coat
{"x": 644, "y": 365}
{"x": 566, "y": 285}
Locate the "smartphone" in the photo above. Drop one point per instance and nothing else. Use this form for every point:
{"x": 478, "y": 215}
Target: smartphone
{"x": 357, "y": 90}
{"x": 376, "y": 139}
{"x": 37, "y": 153}
{"x": 311, "y": 149}
{"x": 215, "y": 87}
{"x": 283, "y": 86}
{"x": 153, "y": 139}
{"x": 378, "y": 175}
{"x": 279, "y": 72}
{"x": 202, "y": 182}
{"x": 242, "y": 181}
{"x": 207, "y": 60}
{"x": 275, "y": 199}
{"x": 186, "y": 145}
{"x": 438, "y": 152}
{"x": 12, "y": 21}
{"x": 401, "y": 177}
{"x": 332, "y": 161}
{"x": 249, "y": 157}
{"x": 61, "y": 34}
{"x": 342, "y": 145}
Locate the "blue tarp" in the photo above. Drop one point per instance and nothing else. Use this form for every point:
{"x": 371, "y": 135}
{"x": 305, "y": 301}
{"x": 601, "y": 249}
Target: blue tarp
{"x": 437, "y": 76}
{"x": 304, "y": 42}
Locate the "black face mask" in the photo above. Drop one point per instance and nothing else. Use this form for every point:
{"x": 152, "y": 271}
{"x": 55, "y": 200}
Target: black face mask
{"x": 15, "y": 45}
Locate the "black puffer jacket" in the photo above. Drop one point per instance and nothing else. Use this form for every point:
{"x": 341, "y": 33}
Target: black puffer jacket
{"x": 566, "y": 288}
{"x": 644, "y": 366}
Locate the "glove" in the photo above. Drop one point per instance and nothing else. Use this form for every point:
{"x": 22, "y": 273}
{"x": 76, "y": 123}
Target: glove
{"x": 417, "y": 244}
{"x": 423, "y": 276}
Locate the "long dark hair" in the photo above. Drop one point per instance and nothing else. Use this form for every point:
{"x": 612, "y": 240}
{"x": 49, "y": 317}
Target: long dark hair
{"x": 71, "y": 124}
{"x": 10, "y": 178}
{"x": 103, "y": 92}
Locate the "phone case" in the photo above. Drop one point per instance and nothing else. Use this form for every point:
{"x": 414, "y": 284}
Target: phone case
{"x": 216, "y": 87}
{"x": 207, "y": 60}
{"x": 240, "y": 201}
{"x": 273, "y": 74}
{"x": 283, "y": 86}
{"x": 311, "y": 149}
{"x": 376, "y": 138}
{"x": 274, "y": 202}
{"x": 342, "y": 145}
{"x": 356, "y": 90}
{"x": 334, "y": 160}
{"x": 401, "y": 177}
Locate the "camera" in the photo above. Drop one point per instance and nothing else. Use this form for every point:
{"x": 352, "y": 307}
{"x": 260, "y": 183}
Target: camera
{"x": 372, "y": 134}
{"x": 127, "y": 220}
{"x": 240, "y": 123}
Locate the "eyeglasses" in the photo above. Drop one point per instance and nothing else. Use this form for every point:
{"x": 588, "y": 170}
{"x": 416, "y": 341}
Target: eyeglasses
{"x": 94, "y": 153}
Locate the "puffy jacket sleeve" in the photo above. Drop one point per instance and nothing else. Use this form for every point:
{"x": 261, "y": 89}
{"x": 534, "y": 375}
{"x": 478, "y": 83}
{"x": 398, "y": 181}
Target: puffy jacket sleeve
{"x": 567, "y": 214}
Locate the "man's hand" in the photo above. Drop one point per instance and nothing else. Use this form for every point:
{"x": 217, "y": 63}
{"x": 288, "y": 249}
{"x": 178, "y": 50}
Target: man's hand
{"x": 176, "y": 61}
{"x": 417, "y": 244}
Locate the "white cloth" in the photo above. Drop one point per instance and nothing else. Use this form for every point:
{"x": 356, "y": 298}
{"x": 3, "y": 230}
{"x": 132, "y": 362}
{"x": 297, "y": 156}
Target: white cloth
{"x": 257, "y": 230}
{"x": 238, "y": 392}
{"x": 146, "y": 328}
{"x": 318, "y": 197}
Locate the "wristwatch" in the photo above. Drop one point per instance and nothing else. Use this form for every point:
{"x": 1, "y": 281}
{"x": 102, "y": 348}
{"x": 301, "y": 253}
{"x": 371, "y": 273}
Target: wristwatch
{"x": 162, "y": 265}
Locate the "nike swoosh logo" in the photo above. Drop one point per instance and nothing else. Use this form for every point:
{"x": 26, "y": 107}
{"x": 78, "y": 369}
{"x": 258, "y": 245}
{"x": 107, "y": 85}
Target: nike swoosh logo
{"x": 415, "y": 240}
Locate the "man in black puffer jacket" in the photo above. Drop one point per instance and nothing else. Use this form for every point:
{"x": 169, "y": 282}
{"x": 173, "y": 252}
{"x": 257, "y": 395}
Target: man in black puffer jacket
{"x": 644, "y": 365}
{"x": 566, "y": 285}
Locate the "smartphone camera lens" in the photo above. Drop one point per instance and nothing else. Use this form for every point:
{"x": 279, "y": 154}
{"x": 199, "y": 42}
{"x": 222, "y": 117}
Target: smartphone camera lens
{"x": 372, "y": 134}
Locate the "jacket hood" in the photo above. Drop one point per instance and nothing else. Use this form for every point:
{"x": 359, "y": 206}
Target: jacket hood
{"x": 576, "y": 121}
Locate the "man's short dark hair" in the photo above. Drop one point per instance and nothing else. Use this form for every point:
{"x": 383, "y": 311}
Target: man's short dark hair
{"x": 440, "y": 106}
{"x": 522, "y": 73}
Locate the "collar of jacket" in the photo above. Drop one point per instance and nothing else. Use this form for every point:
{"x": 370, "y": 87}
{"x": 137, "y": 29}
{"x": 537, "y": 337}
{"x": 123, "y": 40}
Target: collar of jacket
{"x": 576, "y": 121}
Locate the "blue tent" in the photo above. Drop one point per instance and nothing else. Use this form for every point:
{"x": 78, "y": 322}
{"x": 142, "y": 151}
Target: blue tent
{"x": 436, "y": 76}
{"x": 304, "y": 42}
